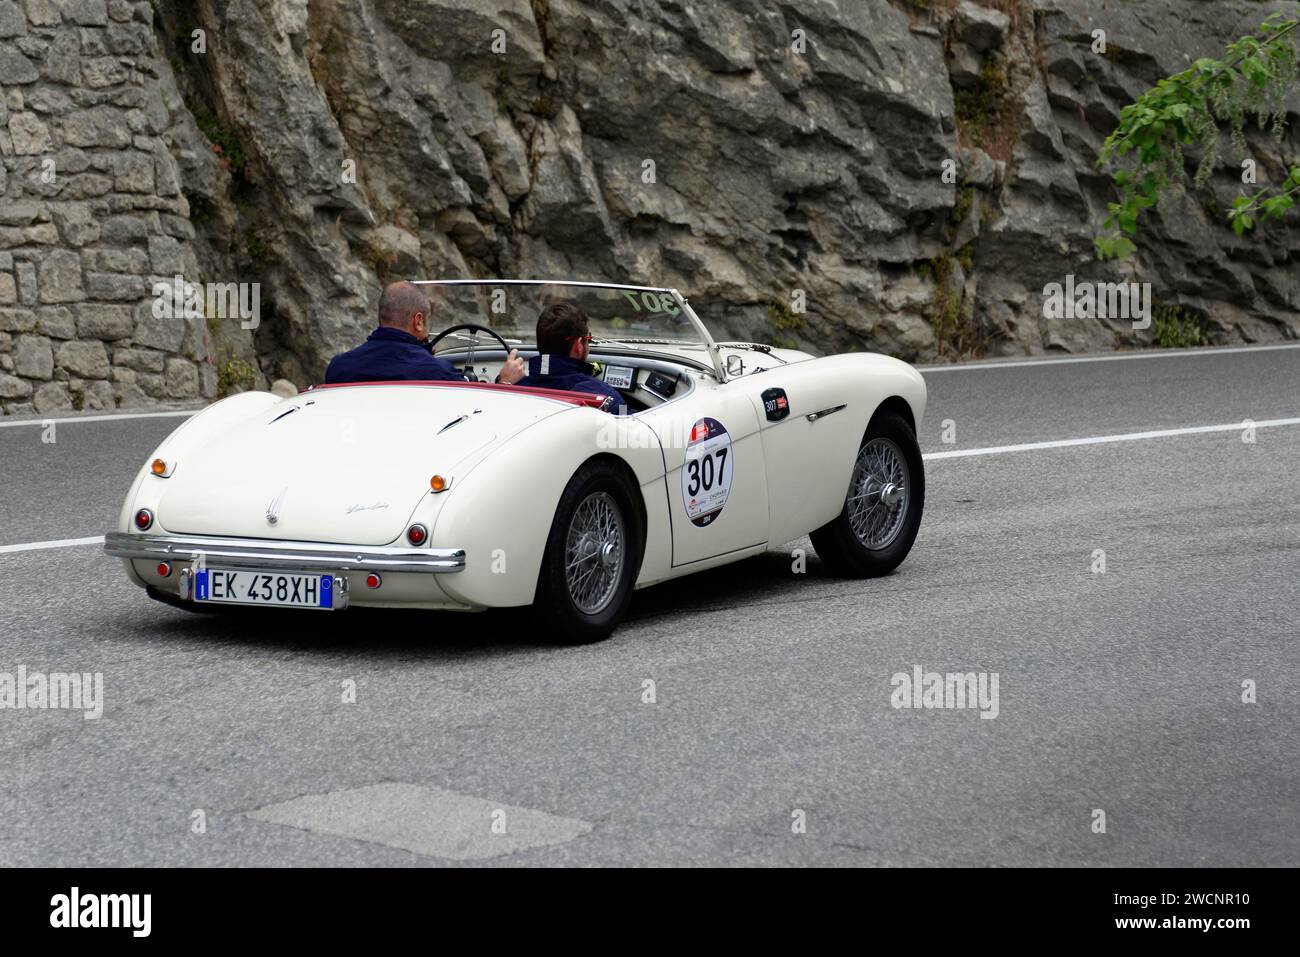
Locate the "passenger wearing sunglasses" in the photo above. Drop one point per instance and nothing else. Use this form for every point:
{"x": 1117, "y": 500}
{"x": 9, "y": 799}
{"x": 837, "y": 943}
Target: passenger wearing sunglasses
{"x": 562, "y": 344}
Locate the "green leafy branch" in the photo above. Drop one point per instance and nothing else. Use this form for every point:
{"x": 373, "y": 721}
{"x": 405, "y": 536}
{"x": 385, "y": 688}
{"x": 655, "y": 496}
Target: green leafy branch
{"x": 1265, "y": 204}
{"x": 1190, "y": 110}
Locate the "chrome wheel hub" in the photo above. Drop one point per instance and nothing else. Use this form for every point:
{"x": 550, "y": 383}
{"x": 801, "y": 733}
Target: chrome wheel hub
{"x": 878, "y": 494}
{"x": 890, "y": 494}
{"x": 593, "y": 554}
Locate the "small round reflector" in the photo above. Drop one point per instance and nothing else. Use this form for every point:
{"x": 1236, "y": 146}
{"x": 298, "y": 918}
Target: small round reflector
{"x": 143, "y": 519}
{"x": 437, "y": 483}
{"x": 164, "y": 570}
{"x": 158, "y": 467}
{"x": 416, "y": 534}
{"x": 373, "y": 580}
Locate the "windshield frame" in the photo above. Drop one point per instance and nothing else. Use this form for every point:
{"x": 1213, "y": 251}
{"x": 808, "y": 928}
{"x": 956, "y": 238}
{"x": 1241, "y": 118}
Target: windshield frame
{"x": 706, "y": 338}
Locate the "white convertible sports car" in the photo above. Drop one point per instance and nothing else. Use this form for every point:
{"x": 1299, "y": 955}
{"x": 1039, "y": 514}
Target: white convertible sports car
{"x": 470, "y": 495}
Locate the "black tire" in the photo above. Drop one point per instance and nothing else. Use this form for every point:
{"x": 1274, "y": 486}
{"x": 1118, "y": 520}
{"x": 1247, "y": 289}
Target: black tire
{"x": 600, "y": 484}
{"x": 842, "y": 550}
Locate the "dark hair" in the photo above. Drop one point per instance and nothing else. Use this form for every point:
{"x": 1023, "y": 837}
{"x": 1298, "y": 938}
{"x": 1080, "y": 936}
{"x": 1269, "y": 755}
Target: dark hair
{"x": 558, "y": 326}
{"x": 399, "y": 304}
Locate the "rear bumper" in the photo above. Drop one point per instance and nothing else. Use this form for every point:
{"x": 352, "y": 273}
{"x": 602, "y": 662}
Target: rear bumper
{"x": 268, "y": 553}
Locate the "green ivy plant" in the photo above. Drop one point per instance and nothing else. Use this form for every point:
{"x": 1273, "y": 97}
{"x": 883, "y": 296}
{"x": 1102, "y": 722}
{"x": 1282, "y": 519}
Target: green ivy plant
{"x": 1174, "y": 327}
{"x": 1192, "y": 109}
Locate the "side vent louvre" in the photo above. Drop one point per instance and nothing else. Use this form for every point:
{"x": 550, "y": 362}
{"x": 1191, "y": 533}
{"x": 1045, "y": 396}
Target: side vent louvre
{"x": 458, "y": 420}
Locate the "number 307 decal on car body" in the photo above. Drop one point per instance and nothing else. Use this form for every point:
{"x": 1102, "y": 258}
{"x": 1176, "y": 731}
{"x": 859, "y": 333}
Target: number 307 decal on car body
{"x": 706, "y": 473}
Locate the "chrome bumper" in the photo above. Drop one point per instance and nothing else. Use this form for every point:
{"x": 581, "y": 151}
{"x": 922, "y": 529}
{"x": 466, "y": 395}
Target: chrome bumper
{"x": 267, "y": 553}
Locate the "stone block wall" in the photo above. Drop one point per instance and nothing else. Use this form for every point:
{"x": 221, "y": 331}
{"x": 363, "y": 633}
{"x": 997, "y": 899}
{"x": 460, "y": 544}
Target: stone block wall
{"x": 91, "y": 214}
{"x": 322, "y": 148}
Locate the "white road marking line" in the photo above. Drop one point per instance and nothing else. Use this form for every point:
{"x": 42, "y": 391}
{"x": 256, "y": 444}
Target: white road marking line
{"x": 57, "y": 543}
{"x": 1104, "y": 439}
{"x": 928, "y": 456}
{"x": 100, "y": 418}
{"x": 1115, "y": 357}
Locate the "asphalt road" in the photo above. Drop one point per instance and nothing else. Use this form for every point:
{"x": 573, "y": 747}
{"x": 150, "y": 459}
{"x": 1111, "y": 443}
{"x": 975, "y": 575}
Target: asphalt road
{"x": 1119, "y": 692}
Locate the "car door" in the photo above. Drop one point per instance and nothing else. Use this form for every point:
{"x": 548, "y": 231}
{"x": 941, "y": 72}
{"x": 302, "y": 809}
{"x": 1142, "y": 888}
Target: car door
{"x": 716, "y": 477}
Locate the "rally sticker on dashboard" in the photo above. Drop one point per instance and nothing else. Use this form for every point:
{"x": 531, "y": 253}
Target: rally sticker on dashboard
{"x": 706, "y": 473}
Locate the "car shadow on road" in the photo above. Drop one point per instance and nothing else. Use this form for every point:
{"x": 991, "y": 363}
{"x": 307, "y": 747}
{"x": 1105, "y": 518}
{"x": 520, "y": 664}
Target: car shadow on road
{"x": 732, "y": 585}
{"x": 447, "y": 634}
{"x": 377, "y": 632}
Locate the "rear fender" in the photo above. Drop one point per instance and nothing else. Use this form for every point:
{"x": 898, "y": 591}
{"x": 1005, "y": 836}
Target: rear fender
{"x": 194, "y": 431}
{"x": 198, "y": 428}
{"x": 500, "y": 512}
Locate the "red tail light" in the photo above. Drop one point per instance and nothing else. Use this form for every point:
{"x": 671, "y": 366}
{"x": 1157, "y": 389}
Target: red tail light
{"x": 373, "y": 580}
{"x": 164, "y": 570}
{"x": 143, "y": 519}
{"x": 417, "y": 534}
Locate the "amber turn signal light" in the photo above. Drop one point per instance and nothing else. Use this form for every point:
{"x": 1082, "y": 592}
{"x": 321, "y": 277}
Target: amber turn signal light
{"x": 438, "y": 483}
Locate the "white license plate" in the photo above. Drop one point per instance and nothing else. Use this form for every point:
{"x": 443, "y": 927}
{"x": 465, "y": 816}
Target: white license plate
{"x": 250, "y": 586}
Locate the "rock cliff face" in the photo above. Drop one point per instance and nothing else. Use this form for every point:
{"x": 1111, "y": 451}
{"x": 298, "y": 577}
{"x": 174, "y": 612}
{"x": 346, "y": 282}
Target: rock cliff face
{"x": 915, "y": 171}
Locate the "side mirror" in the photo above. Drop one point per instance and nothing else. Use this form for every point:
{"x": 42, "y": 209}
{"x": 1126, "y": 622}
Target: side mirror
{"x": 735, "y": 366}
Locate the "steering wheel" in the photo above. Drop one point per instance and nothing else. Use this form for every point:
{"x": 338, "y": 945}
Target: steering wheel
{"x": 474, "y": 327}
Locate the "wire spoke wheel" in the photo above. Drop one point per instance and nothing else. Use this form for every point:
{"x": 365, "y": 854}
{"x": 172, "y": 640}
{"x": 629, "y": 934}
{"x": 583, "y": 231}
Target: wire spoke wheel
{"x": 877, "y": 525}
{"x": 594, "y": 552}
{"x": 878, "y": 493}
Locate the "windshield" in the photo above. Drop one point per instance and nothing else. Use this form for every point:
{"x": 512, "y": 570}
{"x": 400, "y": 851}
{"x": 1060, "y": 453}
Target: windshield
{"x": 618, "y": 314}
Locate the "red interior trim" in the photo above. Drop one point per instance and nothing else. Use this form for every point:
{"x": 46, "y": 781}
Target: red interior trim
{"x": 573, "y": 398}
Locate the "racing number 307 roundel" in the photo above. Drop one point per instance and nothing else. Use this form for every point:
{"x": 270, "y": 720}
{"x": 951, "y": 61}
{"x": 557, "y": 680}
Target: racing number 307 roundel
{"x": 706, "y": 473}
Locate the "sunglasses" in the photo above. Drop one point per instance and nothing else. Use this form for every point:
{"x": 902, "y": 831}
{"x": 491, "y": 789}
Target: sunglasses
{"x": 588, "y": 338}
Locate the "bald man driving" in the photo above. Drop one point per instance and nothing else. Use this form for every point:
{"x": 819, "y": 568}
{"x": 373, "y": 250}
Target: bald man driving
{"x": 396, "y": 350}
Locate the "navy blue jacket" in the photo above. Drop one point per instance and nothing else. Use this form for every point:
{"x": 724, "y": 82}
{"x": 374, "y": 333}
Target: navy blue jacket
{"x": 389, "y": 354}
{"x": 571, "y": 375}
